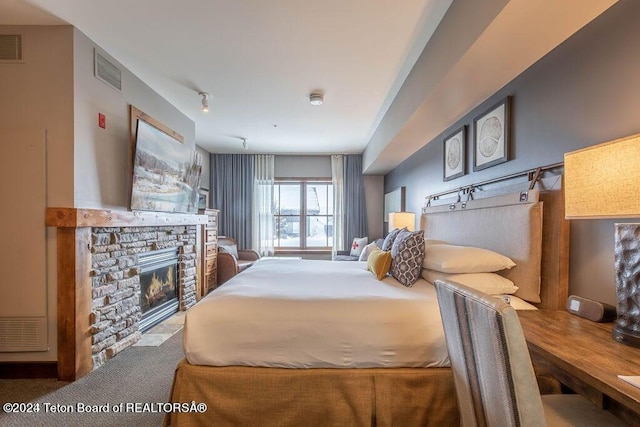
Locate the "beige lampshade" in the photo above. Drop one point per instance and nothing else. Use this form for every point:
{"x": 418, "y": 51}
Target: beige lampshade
{"x": 402, "y": 219}
{"x": 603, "y": 181}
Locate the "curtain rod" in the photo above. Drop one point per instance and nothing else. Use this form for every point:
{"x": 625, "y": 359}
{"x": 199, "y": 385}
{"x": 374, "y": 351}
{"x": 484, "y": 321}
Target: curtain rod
{"x": 533, "y": 176}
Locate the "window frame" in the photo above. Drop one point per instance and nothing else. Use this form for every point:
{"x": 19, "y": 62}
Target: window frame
{"x": 303, "y": 247}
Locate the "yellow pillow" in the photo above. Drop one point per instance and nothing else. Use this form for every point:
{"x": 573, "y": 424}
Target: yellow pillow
{"x": 379, "y": 263}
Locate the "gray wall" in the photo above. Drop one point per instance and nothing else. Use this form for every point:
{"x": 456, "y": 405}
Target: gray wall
{"x": 582, "y": 93}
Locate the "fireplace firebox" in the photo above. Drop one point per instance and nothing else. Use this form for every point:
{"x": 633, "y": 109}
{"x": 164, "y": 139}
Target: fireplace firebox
{"x": 159, "y": 298}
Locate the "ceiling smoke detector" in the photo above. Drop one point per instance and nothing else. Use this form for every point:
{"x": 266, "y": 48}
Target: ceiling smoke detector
{"x": 316, "y": 98}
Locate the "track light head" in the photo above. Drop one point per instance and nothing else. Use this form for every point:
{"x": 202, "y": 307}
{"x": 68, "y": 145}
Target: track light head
{"x": 205, "y": 101}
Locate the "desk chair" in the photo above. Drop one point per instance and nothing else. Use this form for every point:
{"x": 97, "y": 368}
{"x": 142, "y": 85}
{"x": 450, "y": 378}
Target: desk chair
{"x": 492, "y": 370}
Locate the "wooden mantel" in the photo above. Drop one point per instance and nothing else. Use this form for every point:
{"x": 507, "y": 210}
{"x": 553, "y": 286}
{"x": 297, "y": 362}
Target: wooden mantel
{"x": 73, "y": 274}
{"x": 80, "y": 217}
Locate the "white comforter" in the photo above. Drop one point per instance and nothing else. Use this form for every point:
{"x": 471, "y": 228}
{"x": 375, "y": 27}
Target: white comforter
{"x": 314, "y": 314}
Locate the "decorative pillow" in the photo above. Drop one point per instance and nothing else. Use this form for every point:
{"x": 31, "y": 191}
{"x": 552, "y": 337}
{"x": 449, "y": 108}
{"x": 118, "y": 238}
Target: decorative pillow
{"x": 229, "y": 248}
{"x": 464, "y": 259}
{"x": 388, "y": 241}
{"x": 434, "y": 242}
{"x": 489, "y": 283}
{"x": 518, "y": 303}
{"x": 407, "y": 256}
{"x": 358, "y": 245}
{"x": 366, "y": 251}
{"x": 379, "y": 262}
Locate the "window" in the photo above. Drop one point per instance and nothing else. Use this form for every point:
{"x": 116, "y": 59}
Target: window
{"x": 303, "y": 214}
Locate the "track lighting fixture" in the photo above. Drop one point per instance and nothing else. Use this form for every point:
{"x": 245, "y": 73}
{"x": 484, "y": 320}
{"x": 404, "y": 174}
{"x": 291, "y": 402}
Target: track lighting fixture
{"x": 205, "y": 101}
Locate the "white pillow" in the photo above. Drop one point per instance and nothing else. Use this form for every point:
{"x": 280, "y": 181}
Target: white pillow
{"x": 489, "y": 283}
{"x": 367, "y": 251}
{"x": 464, "y": 259}
{"x": 517, "y": 303}
{"x": 358, "y": 245}
{"x": 434, "y": 242}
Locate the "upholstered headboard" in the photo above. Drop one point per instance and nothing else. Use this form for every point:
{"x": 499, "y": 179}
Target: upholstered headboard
{"x": 527, "y": 226}
{"x": 509, "y": 224}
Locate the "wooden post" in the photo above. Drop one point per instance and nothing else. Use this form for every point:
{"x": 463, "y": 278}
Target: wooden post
{"x": 74, "y": 302}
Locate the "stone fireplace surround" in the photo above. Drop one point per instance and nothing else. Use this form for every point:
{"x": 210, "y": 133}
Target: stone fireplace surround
{"x": 115, "y": 307}
{"x": 98, "y": 282}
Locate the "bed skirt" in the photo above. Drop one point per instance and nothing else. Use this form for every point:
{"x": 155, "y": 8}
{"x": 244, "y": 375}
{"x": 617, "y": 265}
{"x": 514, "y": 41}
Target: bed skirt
{"x": 244, "y": 396}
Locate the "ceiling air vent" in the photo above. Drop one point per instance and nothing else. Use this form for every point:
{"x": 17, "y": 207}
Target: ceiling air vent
{"x": 107, "y": 71}
{"x": 10, "y": 47}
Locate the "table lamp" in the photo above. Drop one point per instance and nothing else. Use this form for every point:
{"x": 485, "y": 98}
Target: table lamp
{"x": 602, "y": 181}
{"x": 402, "y": 219}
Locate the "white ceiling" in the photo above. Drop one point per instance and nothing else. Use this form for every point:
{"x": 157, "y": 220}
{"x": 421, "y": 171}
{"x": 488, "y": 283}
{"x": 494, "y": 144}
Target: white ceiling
{"x": 259, "y": 60}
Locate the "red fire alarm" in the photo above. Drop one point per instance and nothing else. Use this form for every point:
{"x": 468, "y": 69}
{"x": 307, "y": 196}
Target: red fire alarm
{"x": 102, "y": 121}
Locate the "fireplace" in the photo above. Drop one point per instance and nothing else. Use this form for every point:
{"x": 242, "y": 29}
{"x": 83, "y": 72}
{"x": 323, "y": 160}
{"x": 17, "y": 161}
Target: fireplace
{"x": 159, "y": 299}
{"x": 99, "y": 282}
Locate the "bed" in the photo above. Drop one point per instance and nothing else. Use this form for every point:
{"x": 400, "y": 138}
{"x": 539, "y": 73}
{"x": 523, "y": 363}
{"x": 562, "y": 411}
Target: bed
{"x": 398, "y": 376}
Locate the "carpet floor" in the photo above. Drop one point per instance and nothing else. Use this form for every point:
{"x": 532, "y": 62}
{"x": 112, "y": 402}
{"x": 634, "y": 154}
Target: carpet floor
{"x": 137, "y": 375}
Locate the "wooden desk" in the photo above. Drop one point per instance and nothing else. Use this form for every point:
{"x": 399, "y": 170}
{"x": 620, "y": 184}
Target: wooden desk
{"x": 582, "y": 355}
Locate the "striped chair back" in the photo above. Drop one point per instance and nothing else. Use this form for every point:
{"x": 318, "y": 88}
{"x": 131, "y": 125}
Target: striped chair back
{"x": 494, "y": 378}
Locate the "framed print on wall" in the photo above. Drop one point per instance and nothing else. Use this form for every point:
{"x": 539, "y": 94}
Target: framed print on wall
{"x": 454, "y": 155}
{"x": 203, "y": 198}
{"x": 491, "y": 136}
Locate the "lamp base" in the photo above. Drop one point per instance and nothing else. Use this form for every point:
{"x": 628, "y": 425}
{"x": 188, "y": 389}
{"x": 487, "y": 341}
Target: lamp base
{"x": 627, "y": 269}
{"x": 625, "y": 337}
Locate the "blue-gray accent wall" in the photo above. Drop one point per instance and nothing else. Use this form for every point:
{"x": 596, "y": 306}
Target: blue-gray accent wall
{"x": 584, "y": 92}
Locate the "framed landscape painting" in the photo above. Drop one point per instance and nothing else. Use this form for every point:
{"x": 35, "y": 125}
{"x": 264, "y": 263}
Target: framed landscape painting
{"x": 166, "y": 173}
{"x": 491, "y": 136}
{"x": 454, "y": 155}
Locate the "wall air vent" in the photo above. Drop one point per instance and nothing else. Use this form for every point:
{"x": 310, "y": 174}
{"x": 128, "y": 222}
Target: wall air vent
{"x": 23, "y": 334}
{"x": 107, "y": 71}
{"x": 10, "y": 47}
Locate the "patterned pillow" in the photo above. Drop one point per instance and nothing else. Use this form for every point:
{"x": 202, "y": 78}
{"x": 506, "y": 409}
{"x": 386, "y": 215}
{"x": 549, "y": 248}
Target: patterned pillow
{"x": 388, "y": 241}
{"x": 407, "y": 255}
{"x": 358, "y": 245}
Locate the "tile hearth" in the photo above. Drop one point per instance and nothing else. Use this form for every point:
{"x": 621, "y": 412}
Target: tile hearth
{"x": 162, "y": 331}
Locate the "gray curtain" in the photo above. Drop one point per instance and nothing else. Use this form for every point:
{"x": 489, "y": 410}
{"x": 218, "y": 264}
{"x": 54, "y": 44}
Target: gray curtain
{"x": 232, "y": 178}
{"x": 355, "y": 207}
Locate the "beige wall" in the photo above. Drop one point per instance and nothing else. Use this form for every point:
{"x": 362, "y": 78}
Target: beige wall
{"x": 102, "y": 156}
{"x": 37, "y": 98}
{"x": 302, "y": 166}
{"x": 53, "y": 92}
